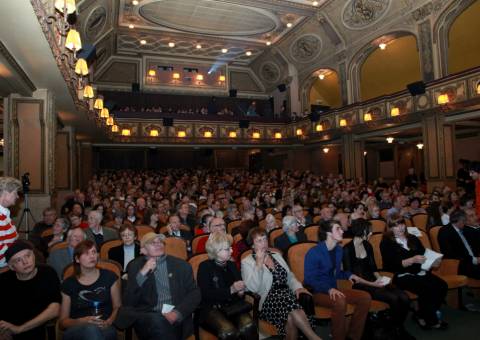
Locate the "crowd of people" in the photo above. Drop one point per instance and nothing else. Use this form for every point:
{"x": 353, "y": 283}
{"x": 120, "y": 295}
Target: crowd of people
{"x": 231, "y": 213}
{"x": 225, "y": 111}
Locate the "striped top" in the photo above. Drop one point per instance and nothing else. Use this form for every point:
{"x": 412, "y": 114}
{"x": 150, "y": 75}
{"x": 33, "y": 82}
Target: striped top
{"x": 8, "y": 234}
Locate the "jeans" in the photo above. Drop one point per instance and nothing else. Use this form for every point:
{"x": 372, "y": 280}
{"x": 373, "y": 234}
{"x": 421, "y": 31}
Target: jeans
{"x": 155, "y": 326}
{"x": 90, "y": 332}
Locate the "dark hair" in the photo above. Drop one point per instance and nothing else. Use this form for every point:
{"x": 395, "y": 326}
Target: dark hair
{"x": 360, "y": 227}
{"x": 413, "y": 199}
{"x": 457, "y": 216}
{"x": 394, "y": 221}
{"x": 130, "y": 227}
{"x": 326, "y": 227}
{"x": 254, "y": 233}
{"x": 80, "y": 249}
{"x": 355, "y": 207}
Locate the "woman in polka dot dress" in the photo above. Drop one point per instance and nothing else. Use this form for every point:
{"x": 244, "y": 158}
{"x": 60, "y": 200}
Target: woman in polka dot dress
{"x": 268, "y": 275}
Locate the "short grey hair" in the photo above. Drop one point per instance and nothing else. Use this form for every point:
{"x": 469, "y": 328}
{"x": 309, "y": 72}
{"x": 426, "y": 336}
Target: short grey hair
{"x": 9, "y": 184}
{"x": 288, "y": 222}
{"x": 71, "y": 231}
{"x": 64, "y": 222}
{"x": 216, "y": 242}
{"x": 97, "y": 214}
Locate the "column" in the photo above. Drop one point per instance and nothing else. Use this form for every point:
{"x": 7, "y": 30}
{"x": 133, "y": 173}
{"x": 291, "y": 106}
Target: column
{"x": 438, "y": 150}
{"x": 352, "y": 157}
{"x": 29, "y": 133}
{"x": 85, "y": 164}
{"x": 426, "y": 50}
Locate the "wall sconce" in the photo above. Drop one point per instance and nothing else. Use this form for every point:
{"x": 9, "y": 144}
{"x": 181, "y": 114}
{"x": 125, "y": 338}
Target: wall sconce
{"x": 207, "y": 134}
{"x": 382, "y": 46}
{"x": 367, "y": 117}
{"x": 299, "y": 132}
{"x": 256, "y": 135}
{"x": 88, "y": 92}
{"x": 326, "y": 150}
{"x": 319, "y": 127}
{"x": 152, "y": 73}
{"x": 321, "y": 76}
{"x": 73, "y": 42}
{"x": 109, "y": 121}
{"x": 232, "y": 134}
{"x": 221, "y": 78}
{"x": 176, "y": 76}
{"x": 364, "y": 153}
{"x": 278, "y": 135}
{"x": 81, "y": 67}
{"x": 199, "y": 77}
{"x": 126, "y": 132}
{"x": 69, "y": 5}
{"x": 478, "y": 88}
{"x": 104, "y": 113}
{"x": 420, "y": 146}
{"x": 395, "y": 111}
{"x": 114, "y": 128}
{"x": 171, "y": 44}
{"x": 181, "y": 134}
{"x": 98, "y": 103}
{"x": 443, "y": 99}
{"x": 390, "y": 140}
{"x": 154, "y": 133}
{"x": 343, "y": 122}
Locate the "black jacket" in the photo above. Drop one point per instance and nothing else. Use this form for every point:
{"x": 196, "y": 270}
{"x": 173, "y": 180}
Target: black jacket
{"x": 118, "y": 254}
{"x": 365, "y": 268}
{"x": 393, "y": 254}
{"x": 452, "y": 246}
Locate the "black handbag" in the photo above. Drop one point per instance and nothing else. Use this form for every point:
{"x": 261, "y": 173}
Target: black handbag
{"x": 236, "y": 308}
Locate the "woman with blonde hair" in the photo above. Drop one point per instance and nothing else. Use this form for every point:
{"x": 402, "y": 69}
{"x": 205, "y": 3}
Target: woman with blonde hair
{"x": 9, "y": 187}
{"x": 223, "y": 310}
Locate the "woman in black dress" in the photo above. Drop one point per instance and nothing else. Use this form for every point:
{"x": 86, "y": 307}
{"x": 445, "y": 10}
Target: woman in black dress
{"x": 402, "y": 254}
{"x": 358, "y": 258}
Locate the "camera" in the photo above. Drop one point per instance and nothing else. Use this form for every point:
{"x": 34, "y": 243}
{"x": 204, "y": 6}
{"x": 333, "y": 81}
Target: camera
{"x": 26, "y": 182}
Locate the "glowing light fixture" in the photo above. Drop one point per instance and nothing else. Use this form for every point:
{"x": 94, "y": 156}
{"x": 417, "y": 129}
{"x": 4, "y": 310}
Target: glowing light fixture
{"x": 171, "y": 44}
{"x": 104, "y": 113}
{"x": 152, "y": 73}
{"x": 109, "y": 121}
{"x": 114, "y": 128}
{"x": 343, "y": 122}
{"x": 395, "y": 111}
{"x": 224, "y": 50}
{"x": 88, "y": 92}
{"x": 143, "y": 42}
{"x": 443, "y": 99}
{"x": 289, "y": 24}
{"x": 299, "y": 132}
{"x": 98, "y": 103}
{"x": 326, "y": 150}
{"x": 248, "y": 53}
{"x": 81, "y": 67}
{"x": 367, "y": 117}
{"x": 199, "y": 77}
{"x": 256, "y": 135}
{"x": 221, "y": 78}
{"x": 315, "y": 3}
{"x": 154, "y": 133}
{"x": 268, "y": 43}
{"x": 207, "y": 134}
{"x": 176, "y": 76}
{"x": 135, "y": 2}
{"x": 126, "y": 132}
{"x": 382, "y": 46}
{"x": 390, "y": 140}
{"x": 364, "y": 153}
{"x": 478, "y": 88}
{"x": 321, "y": 76}
{"x": 60, "y": 5}
{"x": 73, "y": 41}
{"x": 319, "y": 128}
{"x": 181, "y": 134}
{"x": 278, "y": 135}
{"x": 131, "y": 26}
{"x": 232, "y": 134}
{"x": 198, "y": 46}
{"x": 420, "y": 146}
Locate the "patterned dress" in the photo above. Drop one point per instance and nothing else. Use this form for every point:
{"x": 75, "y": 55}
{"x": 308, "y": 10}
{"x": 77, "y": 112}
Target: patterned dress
{"x": 280, "y": 300}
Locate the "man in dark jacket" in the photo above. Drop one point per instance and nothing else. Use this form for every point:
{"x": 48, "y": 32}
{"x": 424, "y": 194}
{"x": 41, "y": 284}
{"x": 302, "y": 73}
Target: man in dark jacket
{"x": 161, "y": 293}
{"x": 458, "y": 241}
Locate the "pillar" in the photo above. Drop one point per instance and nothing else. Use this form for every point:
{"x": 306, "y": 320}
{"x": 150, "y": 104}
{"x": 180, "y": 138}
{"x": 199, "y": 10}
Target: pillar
{"x": 426, "y": 50}
{"x": 85, "y": 163}
{"x": 29, "y": 133}
{"x": 438, "y": 150}
{"x": 352, "y": 157}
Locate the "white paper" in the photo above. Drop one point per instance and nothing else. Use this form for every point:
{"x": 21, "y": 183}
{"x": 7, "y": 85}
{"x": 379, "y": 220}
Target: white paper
{"x": 431, "y": 257}
{"x": 414, "y": 231}
{"x": 166, "y": 308}
{"x": 385, "y": 280}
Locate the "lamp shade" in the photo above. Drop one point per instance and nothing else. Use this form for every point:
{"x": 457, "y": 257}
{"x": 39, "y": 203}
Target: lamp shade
{"x": 199, "y": 77}
{"x": 278, "y": 135}
{"x": 114, "y": 128}
{"x": 104, "y": 113}
{"x": 443, "y": 99}
{"x": 98, "y": 103}
{"x": 395, "y": 111}
{"x": 88, "y": 92}
{"x": 232, "y": 134}
{"x": 326, "y": 150}
{"x": 176, "y": 76}
{"x": 319, "y": 127}
{"x": 367, "y": 117}
{"x": 221, "y": 78}
{"x": 343, "y": 122}
{"x": 181, "y": 134}
{"x": 207, "y": 134}
{"x": 60, "y": 5}
{"x": 478, "y": 88}
{"x": 154, "y": 133}
{"x": 73, "y": 41}
{"x": 126, "y": 132}
{"x": 81, "y": 67}
{"x": 299, "y": 132}
{"x": 256, "y": 135}
{"x": 109, "y": 121}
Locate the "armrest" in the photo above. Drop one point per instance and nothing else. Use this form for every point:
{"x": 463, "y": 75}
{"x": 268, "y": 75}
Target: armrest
{"x": 254, "y": 299}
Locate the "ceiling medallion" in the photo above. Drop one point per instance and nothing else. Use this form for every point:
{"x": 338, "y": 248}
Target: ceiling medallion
{"x": 270, "y": 72}
{"x": 306, "y": 48}
{"x": 359, "y": 14}
{"x": 95, "y": 23}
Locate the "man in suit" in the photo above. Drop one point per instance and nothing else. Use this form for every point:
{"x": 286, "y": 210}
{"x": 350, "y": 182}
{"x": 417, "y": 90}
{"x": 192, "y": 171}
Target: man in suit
{"x": 291, "y": 234}
{"x": 127, "y": 251}
{"x": 173, "y": 229}
{"x": 458, "y": 241}
{"x": 95, "y": 232}
{"x": 161, "y": 293}
{"x": 61, "y": 258}
{"x": 302, "y": 220}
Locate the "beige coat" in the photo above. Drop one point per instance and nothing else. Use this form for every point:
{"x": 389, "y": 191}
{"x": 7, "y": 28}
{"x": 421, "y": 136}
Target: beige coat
{"x": 259, "y": 280}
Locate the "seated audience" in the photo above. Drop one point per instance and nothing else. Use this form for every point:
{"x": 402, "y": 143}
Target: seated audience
{"x": 302, "y": 220}
{"x": 322, "y": 270}
{"x": 267, "y": 274}
{"x": 129, "y": 249}
{"x": 96, "y": 232}
{"x": 459, "y": 241}
{"x": 49, "y": 216}
{"x": 61, "y": 258}
{"x": 161, "y": 293}
{"x": 358, "y": 258}
{"x": 131, "y": 216}
{"x": 291, "y": 234}
{"x": 222, "y": 289}
{"x": 215, "y": 224}
{"x": 271, "y": 223}
{"x": 173, "y": 229}
{"x": 9, "y": 187}
{"x": 358, "y": 212}
{"x": 186, "y": 218}
{"x": 31, "y": 294}
{"x": 59, "y": 234}
{"x": 402, "y": 254}
{"x": 90, "y": 298}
